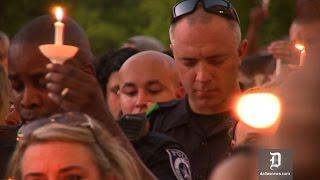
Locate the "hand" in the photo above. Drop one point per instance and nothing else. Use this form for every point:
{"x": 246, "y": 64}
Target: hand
{"x": 285, "y": 51}
{"x": 82, "y": 91}
{"x": 13, "y": 117}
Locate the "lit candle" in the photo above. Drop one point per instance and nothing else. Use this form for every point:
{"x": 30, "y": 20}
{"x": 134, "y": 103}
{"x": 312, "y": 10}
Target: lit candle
{"x": 58, "y": 33}
{"x": 259, "y": 110}
{"x": 302, "y": 50}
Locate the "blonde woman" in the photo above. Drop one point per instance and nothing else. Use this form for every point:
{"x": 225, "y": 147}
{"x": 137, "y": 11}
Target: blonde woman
{"x": 70, "y": 146}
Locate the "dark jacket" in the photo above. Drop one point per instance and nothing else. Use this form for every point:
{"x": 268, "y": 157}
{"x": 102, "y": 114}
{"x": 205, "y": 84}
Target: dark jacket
{"x": 205, "y": 138}
{"x": 8, "y": 135}
{"x": 163, "y": 156}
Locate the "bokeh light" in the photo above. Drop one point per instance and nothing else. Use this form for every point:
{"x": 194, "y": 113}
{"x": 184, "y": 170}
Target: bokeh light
{"x": 258, "y": 110}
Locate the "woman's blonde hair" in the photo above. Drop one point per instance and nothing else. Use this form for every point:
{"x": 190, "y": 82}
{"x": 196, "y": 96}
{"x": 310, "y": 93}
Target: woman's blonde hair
{"x": 4, "y": 94}
{"x": 106, "y": 152}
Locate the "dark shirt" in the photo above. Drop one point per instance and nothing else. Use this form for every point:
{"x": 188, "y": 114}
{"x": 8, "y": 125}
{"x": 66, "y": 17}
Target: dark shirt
{"x": 205, "y": 138}
{"x": 8, "y": 135}
{"x": 163, "y": 156}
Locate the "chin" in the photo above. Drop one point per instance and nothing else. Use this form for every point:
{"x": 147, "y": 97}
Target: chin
{"x": 207, "y": 103}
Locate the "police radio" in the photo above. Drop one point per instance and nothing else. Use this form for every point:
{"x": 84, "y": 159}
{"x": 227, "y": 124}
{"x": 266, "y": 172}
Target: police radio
{"x": 134, "y": 126}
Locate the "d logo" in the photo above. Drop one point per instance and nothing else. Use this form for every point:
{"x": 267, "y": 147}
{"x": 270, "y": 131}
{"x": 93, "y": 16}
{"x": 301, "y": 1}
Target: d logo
{"x": 275, "y": 160}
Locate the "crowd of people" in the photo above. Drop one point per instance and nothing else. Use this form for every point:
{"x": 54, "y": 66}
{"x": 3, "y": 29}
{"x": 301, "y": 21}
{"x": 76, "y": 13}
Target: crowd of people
{"x": 144, "y": 112}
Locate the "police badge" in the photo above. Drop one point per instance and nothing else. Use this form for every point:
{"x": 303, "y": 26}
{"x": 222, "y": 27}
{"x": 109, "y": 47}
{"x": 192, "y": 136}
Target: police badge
{"x": 180, "y": 164}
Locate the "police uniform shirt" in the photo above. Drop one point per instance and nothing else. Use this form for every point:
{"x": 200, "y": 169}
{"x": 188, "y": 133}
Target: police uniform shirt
{"x": 205, "y": 138}
{"x": 163, "y": 156}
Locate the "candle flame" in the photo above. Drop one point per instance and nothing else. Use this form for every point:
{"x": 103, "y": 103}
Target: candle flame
{"x": 259, "y": 110}
{"x": 59, "y": 13}
{"x": 300, "y": 47}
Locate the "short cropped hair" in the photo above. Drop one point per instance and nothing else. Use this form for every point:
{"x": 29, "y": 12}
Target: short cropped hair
{"x": 202, "y": 17}
{"x": 111, "y": 62}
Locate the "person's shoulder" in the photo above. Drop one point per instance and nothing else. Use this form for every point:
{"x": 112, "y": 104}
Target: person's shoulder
{"x": 170, "y": 105}
{"x": 166, "y": 107}
{"x": 164, "y": 141}
{"x": 168, "y": 155}
{"x": 166, "y": 113}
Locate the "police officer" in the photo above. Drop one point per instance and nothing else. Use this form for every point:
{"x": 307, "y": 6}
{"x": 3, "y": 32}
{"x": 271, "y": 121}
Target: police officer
{"x": 206, "y": 43}
{"x": 160, "y": 153}
{"x": 145, "y": 78}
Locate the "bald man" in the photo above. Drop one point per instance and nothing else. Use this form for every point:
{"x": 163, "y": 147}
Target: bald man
{"x": 146, "y": 78}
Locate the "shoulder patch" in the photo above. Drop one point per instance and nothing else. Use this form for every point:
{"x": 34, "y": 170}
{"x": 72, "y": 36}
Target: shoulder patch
{"x": 180, "y": 164}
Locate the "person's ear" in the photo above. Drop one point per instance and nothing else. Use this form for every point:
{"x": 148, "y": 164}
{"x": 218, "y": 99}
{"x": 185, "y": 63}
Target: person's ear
{"x": 87, "y": 68}
{"x": 171, "y": 49}
{"x": 233, "y": 144}
{"x": 242, "y": 49}
{"x": 180, "y": 92}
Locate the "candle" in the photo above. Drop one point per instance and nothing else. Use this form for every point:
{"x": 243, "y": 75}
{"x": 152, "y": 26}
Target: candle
{"x": 302, "y": 50}
{"x": 278, "y": 67}
{"x": 58, "y": 33}
{"x": 259, "y": 110}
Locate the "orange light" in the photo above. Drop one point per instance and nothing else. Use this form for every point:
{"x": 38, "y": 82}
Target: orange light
{"x": 59, "y": 13}
{"x": 300, "y": 47}
{"x": 259, "y": 110}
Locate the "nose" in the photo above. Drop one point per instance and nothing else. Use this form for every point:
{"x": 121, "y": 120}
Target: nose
{"x": 203, "y": 73}
{"x": 30, "y": 98}
{"x": 143, "y": 99}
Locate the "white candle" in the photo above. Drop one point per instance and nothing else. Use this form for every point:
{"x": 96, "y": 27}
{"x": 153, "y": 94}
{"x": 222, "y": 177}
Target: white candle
{"x": 302, "y": 50}
{"x": 302, "y": 57}
{"x": 59, "y": 26}
{"x": 278, "y": 67}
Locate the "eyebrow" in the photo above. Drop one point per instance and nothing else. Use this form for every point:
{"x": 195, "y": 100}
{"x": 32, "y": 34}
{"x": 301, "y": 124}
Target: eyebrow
{"x": 215, "y": 56}
{"x": 128, "y": 84}
{"x": 69, "y": 168}
{"x": 34, "y": 174}
{"x": 208, "y": 57}
{"x": 188, "y": 58}
{"x": 152, "y": 82}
